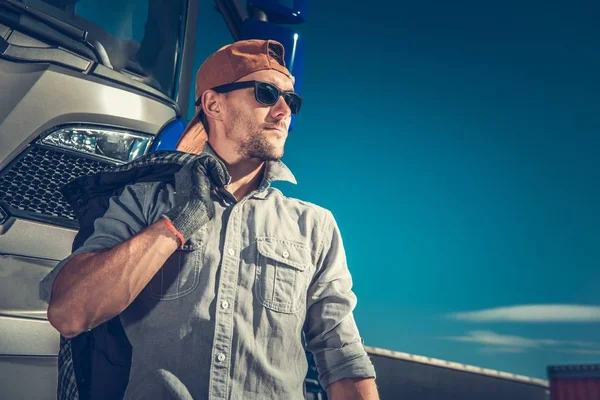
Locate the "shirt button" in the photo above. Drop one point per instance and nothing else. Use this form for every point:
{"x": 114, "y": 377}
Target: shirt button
{"x": 236, "y": 210}
{"x": 221, "y": 357}
{"x": 231, "y": 252}
{"x": 225, "y": 305}
{"x": 285, "y": 254}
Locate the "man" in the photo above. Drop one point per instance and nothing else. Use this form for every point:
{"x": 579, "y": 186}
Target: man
{"x": 217, "y": 276}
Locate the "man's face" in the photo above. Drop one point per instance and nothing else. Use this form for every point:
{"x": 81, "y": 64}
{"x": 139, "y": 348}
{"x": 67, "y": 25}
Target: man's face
{"x": 259, "y": 131}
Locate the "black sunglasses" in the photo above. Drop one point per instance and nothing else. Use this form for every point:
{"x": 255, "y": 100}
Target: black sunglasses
{"x": 265, "y": 93}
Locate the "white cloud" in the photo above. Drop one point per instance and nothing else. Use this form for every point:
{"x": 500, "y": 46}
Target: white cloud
{"x": 532, "y": 313}
{"x": 497, "y": 343}
{"x": 500, "y": 350}
{"x": 495, "y": 339}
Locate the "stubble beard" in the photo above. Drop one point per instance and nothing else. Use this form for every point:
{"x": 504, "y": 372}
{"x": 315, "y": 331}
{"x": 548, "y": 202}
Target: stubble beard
{"x": 255, "y": 144}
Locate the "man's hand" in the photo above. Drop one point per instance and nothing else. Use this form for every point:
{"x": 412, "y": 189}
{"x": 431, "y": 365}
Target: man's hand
{"x": 193, "y": 205}
{"x": 353, "y": 389}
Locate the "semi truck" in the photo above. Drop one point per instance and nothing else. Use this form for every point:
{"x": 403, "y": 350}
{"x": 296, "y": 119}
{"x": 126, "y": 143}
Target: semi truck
{"x": 86, "y": 85}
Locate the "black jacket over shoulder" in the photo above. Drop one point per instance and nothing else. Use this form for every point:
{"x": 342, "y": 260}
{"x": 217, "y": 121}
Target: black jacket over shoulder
{"x": 101, "y": 357}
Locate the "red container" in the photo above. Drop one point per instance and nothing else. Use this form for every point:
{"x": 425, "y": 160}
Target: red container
{"x": 574, "y": 382}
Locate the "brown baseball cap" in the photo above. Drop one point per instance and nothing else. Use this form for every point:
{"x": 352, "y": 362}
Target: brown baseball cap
{"x": 227, "y": 65}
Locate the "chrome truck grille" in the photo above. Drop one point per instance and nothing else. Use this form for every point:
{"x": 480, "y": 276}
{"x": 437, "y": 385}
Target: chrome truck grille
{"x": 29, "y": 185}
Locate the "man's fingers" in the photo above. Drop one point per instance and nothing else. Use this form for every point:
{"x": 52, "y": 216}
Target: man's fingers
{"x": 215, "y": 170}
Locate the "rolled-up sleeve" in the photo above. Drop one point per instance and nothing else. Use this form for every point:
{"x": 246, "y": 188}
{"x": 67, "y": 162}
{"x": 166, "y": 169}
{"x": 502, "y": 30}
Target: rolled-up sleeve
{"x": 331, "y": 332}
{"x": 126, "y": 215}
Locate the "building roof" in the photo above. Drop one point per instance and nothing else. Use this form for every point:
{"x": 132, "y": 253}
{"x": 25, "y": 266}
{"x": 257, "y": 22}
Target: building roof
{"x": 455, "y": 366}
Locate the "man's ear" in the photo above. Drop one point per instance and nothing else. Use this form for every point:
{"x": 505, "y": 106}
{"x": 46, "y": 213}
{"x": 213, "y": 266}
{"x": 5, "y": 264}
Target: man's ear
{"x": 211, "y": 105}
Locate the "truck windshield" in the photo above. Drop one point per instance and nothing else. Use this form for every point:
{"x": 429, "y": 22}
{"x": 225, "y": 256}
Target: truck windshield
{"x": 142, "y": 38}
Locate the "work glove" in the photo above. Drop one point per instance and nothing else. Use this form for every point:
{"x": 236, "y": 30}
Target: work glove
{"x": 193, "y": 206}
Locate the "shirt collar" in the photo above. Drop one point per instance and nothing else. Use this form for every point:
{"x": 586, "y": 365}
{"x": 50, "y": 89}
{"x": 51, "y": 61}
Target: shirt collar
{"x": 274, "y": 171}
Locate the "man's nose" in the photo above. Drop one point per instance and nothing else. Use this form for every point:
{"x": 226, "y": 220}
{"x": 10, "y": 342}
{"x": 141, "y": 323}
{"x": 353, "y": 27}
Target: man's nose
{"x": 281, "y": 109}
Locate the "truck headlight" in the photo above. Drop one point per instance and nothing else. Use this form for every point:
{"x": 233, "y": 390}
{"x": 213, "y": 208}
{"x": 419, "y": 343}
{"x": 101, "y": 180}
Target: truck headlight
{"x": 112, "y": 144}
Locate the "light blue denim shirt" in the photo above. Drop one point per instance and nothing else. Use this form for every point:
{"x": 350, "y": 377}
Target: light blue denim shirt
{"x": 224, "y": 317}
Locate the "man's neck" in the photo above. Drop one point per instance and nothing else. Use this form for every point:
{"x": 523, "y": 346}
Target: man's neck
{"x": 246, "y": 177}
{"x": 246, "y": 174}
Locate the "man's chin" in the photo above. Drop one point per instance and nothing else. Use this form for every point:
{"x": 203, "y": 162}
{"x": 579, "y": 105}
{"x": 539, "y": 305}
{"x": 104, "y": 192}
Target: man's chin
{"x": 276, "y": 149}
{"x": 272, "y": 156}
{"x": 266, "y": 155}
{"x": 267, "y": 148}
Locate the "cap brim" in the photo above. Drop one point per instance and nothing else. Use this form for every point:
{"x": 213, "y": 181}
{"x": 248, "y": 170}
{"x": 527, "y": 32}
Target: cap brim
{"x": 193, "y": 138}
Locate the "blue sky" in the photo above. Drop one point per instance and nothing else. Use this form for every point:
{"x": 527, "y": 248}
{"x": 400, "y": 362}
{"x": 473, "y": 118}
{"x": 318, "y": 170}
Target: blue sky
{"x": 456, "y": 144}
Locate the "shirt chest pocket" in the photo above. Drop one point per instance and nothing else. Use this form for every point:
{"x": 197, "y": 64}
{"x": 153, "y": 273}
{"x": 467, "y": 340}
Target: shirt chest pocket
{"x": 178, "y": 276}
{"x": 282, "y": 274}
